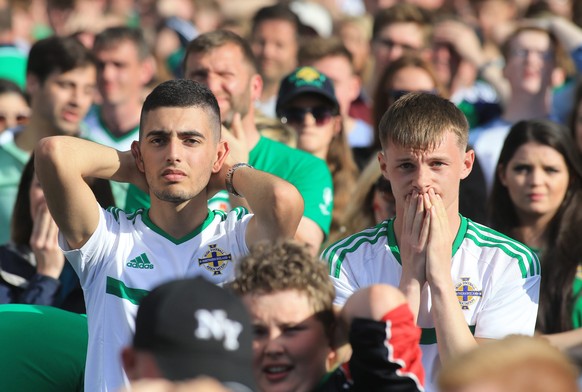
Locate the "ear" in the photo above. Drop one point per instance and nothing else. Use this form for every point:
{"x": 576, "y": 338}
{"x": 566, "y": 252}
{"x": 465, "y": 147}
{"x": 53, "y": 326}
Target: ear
{"x": 468, "y": 160}
{"x": 32, "y": 84}
{"x": 355, "y": 86}
{"x": 501, "y": 174}
{"x": 148, "y": 69}
{"x": 337, "y": 126}
{"x": 222, "y": 151}
{"x": 129, "y": 360}
{"x": 256, "y": 86}
{"x": 383, "y": 165}
{"x": 136, "y": 152}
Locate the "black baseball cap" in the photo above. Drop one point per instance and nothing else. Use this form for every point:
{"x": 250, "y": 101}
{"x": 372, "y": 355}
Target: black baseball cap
{"x": 305, "y": 80}
{"x": 195, "y": 328}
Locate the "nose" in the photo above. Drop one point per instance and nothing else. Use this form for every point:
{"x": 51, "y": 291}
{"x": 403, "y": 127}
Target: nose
{"x": 174, "y": 149}
{"x": 213, "y": 82}
{"x": 422, "y": 180}
{"x": 273, "y": 346}
{"x": 308, "y": 119}
{"x": 395, "y": 52}
{"x": 107, "y": 71}
{"x": 536, "y": 176}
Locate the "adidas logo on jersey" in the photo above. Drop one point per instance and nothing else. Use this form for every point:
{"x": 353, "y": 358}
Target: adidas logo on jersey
{"x": 140, "y": 262}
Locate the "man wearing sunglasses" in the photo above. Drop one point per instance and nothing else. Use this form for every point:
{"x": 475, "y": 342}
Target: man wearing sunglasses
{"x": 225, "y": 63}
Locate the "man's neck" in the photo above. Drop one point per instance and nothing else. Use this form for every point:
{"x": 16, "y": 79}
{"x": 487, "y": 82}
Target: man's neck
{"x": 526, "y": 107}
{"x": 121, "y": 119}
{"x": 270, "y": 89}
{"x": 251, "y": 132}
{"x": 36, "y": 129}
{"x": 179, "y": 220}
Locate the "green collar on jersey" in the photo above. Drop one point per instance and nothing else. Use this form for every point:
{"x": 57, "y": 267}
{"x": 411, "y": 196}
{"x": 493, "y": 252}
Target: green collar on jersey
{"x": 177, "y": 241}
{"x": 393, "y": 245}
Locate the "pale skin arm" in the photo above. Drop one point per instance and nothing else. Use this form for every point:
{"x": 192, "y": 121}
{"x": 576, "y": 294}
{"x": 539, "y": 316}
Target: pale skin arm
{"x": 44, "y": 243}
{"x": 466, "y": 43}
{"x": 567, "y": 341}
{"x": 308, "y": 231}
{"x": 413, "y": 250}
{"x": 62, "y": 163}
{"x": 453, "y": 334}
{"x": 276, "y": 204}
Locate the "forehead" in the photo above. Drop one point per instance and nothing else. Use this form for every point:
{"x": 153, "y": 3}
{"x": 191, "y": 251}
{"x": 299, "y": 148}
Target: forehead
{"x": 265, "y": 29}
{"x": 86, "y": 74}
{"x": 178, "y": 119}
{"x": 539, "y": 152}
{"x": 337, "y": 68}
{"x": 228, "y": 56}
{"x": 531, "y": 39}
{"x": 121, "y": 48}
{"x": 283, "y": 306}
{"x": 412, "y": 79}
{"x": 445, "y": 145}
{"x": 404, "y": 32}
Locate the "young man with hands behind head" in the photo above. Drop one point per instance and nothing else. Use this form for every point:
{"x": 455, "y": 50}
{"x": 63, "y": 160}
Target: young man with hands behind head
{"x": 181, "y": 159}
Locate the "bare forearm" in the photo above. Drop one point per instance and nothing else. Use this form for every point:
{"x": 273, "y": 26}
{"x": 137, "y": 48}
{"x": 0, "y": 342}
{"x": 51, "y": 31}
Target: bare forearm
{"x": 276, "y": 204}
{"x": 452, "y": 331}
{"x": 81, "y": 157}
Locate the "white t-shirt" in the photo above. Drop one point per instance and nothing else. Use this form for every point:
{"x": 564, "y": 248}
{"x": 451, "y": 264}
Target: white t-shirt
{"x": 497, "y": 281}
{"x": 127, "y": 257}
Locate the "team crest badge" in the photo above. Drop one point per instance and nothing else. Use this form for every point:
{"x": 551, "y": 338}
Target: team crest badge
{"x": 215, "y": 260}
{"x": 467, "y": 293}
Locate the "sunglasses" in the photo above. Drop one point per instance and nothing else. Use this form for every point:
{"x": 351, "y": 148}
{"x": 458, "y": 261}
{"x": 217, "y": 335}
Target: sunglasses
{"x": 397, "y": 94}
{"x": 296, "y": 115}
{"x": 19, "y": 118}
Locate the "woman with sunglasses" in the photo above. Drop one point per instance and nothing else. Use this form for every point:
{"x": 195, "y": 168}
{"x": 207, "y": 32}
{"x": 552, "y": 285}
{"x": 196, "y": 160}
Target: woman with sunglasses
{"x": 307, "y": 103}
{"x": 14, "y": 108}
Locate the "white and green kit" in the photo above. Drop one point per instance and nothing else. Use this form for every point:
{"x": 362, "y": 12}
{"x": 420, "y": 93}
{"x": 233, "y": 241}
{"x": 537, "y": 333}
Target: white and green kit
{"x": 128, "y": 256}
{"x": 496, "y": 278}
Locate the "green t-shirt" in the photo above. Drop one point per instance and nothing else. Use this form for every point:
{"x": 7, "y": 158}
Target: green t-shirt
{"x": 12, "y": 162}
{"x": 43, "y": 349}
{"x": 309, "y": 174}
{"x": 577, "y": 306}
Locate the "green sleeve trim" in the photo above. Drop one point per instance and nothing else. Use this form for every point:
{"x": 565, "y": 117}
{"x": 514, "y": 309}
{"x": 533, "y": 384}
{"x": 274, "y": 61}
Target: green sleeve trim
{"x": 483, "y": 236}
{"x": 337, "y": 252}
{"x": 119, "y": 289}
{"x": 178, "y": 241}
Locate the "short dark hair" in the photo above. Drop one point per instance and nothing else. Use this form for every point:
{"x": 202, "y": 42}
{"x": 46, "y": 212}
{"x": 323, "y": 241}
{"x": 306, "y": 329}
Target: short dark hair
{"x": 207, "y": 42}
{"x": 183, "y": 93}
{"x": 58, "y": 54}
{"x": 113, "y": 35}
{"x": 276, "y": 12}
{"x": 403, "y": 13}
{"x": 318, "y": 48}
{"x": 420, "y": 120}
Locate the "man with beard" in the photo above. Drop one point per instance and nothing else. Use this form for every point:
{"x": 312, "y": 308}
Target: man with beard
{"x": 181, "y": 159}
{"x": 225, "y": 63}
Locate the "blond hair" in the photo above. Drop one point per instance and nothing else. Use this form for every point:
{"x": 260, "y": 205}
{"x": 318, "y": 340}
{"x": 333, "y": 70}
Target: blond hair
{"x": 516, "y": 363}
{"x": 421, "y": 120}
{"x": 287, "y": 265}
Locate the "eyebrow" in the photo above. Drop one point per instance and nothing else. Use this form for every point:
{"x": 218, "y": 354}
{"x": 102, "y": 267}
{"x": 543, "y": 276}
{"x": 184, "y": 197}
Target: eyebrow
{"x": 181, "y": 134}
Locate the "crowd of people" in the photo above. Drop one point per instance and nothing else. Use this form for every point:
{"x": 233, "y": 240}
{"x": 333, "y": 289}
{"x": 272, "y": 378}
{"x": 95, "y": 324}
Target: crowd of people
{"x": 293, "y": 195}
